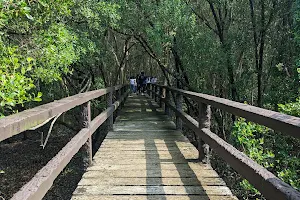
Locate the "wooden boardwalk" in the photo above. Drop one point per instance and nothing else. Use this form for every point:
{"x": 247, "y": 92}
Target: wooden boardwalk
{"x": 144, "y": 157}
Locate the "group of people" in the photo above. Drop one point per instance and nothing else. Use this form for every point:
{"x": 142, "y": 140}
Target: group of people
{"x": 139, "y": 83}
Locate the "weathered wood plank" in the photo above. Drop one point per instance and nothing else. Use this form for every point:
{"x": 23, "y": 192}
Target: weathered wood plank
{"x": 152, "y": 197}
{"x": 126, "y": 148}
{"x": 153, "y": 190}
{"x": 147, "y": 157}
{"x": 139, "y": 161}
{"x": 185, "y": 152}
{"x": 163, "y": 166}
{"x": 154, "y": 133}
{"x": 147, "y": 142}
{"x": 152, "y": 181}
{"x": 150, "y": 173}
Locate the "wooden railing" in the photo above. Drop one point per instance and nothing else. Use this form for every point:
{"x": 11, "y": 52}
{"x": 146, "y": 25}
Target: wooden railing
{"x": 263, "y": 180}
{"x": 12, "y": 125}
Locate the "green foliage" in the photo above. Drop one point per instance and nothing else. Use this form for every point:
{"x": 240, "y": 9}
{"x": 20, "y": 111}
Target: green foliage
{"x": 15, "y": 86}
{"x": 290, "y": 163}
{"x": 272, "y": 150}
{"x": 291, "y": 108}
{"x": 42, "y": 41}
{"x": 250, "y": 137}
{"x": 55, "y": 47}
{"x": 99, "y": 84}
{"x": 56, "y": 52}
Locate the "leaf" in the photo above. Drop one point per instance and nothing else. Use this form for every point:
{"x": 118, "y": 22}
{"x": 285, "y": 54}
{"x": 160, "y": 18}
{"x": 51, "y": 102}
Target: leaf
{"x": 2, "y": 103}
{"x": 29, "y": 16}
{"x": 23, "y": 71}
{"x": 29, "y": 59}
{"x": 43, "y": 3}
{"x": 26, "y": 8}
{"x": 38, "y": 99}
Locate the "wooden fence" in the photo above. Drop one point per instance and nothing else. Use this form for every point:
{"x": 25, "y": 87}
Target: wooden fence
{"x": 12, "y": 125}
{"x": 263, "y": 180}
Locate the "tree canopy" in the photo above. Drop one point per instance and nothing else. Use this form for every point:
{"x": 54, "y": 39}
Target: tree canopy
{"x": 246, "y": 50}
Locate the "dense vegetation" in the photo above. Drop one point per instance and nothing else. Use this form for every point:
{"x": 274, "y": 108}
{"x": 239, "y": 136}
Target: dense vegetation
{"x": 246, "y": 50}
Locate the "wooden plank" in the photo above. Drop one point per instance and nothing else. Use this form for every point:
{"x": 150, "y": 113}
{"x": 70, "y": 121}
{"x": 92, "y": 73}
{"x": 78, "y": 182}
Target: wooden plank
{"x": 153, "y": 123}
{"x": 163, "y": 166}
{"x": 130, "y": 133}
{"x": 142, "y": 141}
{"x": 177, "y": 156}
{"x": 140, "y": 127}
{"x": 152, "y": 181}
{"x": 186, "y": 152}
{"x": 153, "y": 197}
{"x": 140, "y": 161}
{"x": 144, "y": 133}
{"x": 153, "y": 190}
{"x": 150, "y": 173}
{"x": 125, "y": 148}
{"x": 149, "y": 138}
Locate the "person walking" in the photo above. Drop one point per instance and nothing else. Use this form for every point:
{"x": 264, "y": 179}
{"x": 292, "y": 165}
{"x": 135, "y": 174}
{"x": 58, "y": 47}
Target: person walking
{"x": 142, "y": 82}
{"x": 133, "y": 84}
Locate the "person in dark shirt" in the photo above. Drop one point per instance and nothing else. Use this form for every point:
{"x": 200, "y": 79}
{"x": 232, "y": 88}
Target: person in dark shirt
{"x": 138, "y": 85}
{"x": 142, "y": 82}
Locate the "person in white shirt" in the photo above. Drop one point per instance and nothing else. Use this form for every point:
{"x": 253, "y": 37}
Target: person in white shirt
{"x": 133, "y": 84}
{"x": 148, "y": 80}
{"x": 153, "y": 79}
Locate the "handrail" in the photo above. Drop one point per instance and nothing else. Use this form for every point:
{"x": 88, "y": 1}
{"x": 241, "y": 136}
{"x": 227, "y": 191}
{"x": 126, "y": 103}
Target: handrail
{"x": 281, "y": 122}
{"x": 263, "y": 180}
{"x": 17, "y": 123}
{"x": 38, "y": 186}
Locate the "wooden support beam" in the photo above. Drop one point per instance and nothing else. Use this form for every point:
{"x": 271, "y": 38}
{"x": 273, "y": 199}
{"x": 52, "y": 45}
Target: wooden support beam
{"x": 204, "y": 122}
{"x": 110, "y": 120}
{"x": 86, "y": 121}
{"x": 179, "y": 108}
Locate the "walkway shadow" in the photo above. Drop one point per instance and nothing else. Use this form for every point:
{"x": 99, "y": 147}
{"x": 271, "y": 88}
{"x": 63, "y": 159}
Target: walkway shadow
{"x": 187, "y": 177}
{"x": 153, "y": 167}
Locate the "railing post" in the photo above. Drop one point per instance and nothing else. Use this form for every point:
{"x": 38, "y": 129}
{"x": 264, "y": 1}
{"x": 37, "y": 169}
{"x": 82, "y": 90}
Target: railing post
{"x": 122, "y": 92}
{"x": 152, "y": 91}
{"x": 125, "y": 88}
{"x": 155, "y": 95}
{"x": 167, "y": 101}
{"x": 118, "y": 98}
{"x": 86, "y": 121}
{"x": 160, "y": 93}
{"x": 204, "y": 122}
{"x": 148, "y": 88}
{"x": 110, "y": 120}
{"x": 179, "y": 108}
